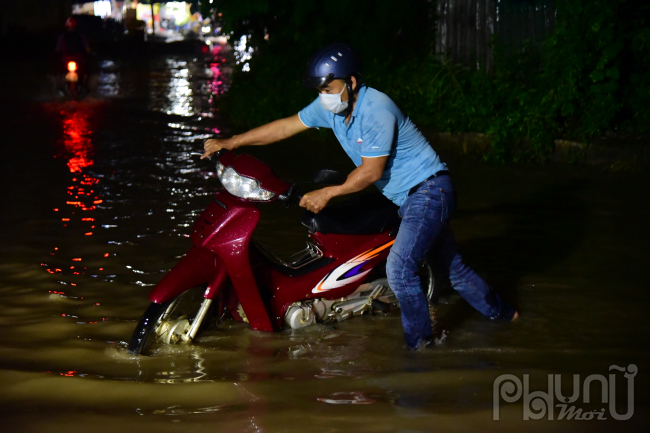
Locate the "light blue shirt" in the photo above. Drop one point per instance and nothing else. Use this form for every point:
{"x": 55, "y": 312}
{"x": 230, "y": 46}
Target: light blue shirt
{"x": 379, "y": 128}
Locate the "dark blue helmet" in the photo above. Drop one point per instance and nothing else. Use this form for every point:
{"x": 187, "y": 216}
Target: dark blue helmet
{"x": 331, "y": 62}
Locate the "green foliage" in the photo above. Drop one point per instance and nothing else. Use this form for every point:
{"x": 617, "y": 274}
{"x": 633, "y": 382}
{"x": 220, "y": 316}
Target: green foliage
{"x": 294, "y": 30}
{"x": 589, "y": 76}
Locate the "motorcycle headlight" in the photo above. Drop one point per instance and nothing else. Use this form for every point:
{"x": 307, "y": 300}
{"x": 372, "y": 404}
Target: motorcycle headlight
{"x": 242, "y": 186}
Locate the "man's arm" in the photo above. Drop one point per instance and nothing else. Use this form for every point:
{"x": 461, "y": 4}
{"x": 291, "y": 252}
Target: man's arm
{"x": 265, "y": 134}
{"x": 361, "y": 177}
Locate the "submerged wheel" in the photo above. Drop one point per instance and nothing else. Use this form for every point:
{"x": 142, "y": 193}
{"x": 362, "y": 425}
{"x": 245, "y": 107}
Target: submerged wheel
{"x": 167, "y": 323}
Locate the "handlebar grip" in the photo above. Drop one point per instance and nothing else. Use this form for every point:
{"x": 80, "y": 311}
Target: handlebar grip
{"x": 218, "y": 153}
{"x": 291, "y": 197}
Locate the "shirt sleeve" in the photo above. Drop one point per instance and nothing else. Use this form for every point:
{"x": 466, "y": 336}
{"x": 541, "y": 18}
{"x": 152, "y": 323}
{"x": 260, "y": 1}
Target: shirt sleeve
{"x": 315, "y": 116}
{"x": 378, "y": 134}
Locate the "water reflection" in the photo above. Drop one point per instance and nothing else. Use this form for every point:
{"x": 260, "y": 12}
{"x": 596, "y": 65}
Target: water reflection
{"x": 243, "y": 52}
{"x": 179, "y": 91}
{"x": 355, "y": 397}
{"x": 109, "y": 80}
{"x": 189, "y": 88}
{"x": 217, "y": 72}
{"x": 83, "y": 197}
{"x": 76, "y": 139}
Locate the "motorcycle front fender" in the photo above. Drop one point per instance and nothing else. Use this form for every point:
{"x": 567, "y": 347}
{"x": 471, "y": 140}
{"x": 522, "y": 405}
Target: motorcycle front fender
{"x": 198, "y": 267}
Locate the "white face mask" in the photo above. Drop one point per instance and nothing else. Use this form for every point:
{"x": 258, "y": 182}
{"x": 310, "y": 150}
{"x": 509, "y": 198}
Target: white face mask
{"x": 332, "y": 102}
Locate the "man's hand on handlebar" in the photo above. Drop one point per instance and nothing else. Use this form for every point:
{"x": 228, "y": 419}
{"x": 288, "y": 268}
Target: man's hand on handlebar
{"x": 316, "y": 200}
{"x": 214, "y": 145}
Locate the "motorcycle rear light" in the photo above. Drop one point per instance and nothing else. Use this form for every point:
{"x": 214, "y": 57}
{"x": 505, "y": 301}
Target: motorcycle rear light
{"x": 72, "y": 66}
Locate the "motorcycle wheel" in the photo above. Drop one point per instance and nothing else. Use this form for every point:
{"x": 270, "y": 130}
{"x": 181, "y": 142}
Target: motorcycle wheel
{"x": 427, "y": 281}
{"x": 166, "y": 323}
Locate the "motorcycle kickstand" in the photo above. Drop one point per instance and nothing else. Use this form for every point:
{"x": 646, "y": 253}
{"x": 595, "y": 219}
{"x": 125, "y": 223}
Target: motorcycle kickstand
{"x": 375, "y": 303}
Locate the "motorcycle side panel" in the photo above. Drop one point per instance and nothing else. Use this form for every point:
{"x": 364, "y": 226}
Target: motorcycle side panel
{"x": 227, "y": 219}
{"x": 356, "y": 256}
{"x": 225, "y": 228}
{"x": 197, "y": 267}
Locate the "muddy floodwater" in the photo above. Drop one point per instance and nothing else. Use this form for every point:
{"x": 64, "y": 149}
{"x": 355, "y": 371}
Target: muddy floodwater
{"x": 97, "y": 201}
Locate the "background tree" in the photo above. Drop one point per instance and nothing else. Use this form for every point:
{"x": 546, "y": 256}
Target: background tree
{"x": 591, "y": 75}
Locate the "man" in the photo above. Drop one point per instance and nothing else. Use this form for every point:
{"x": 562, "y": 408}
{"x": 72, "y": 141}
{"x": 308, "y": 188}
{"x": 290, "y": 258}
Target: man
{"x": 72, "y": 43}
{"x": 390, "y": 152}
{"x": 72, "y": 46}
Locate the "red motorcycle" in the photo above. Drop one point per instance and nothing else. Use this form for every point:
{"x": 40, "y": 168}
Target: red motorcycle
{"x": 340, "y": 274}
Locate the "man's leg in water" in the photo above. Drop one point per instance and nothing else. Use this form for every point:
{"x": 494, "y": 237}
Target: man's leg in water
{"x": 468, "y": 283}
{"x": 422, "y": 221}
{"x": 425, "y": 217}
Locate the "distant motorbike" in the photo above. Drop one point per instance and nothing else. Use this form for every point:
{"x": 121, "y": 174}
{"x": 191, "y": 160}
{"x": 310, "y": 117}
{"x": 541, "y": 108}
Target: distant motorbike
{"x": 76, "y": 76}
{"x": 340, "y": 273}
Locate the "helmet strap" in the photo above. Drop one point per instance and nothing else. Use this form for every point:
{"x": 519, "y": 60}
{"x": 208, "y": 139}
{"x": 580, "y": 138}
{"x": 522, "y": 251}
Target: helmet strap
{"x": 351, "y": 96}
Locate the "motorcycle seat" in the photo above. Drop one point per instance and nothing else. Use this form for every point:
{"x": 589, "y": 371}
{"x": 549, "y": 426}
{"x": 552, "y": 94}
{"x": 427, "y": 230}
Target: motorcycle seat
{"x": 363, "y": 215}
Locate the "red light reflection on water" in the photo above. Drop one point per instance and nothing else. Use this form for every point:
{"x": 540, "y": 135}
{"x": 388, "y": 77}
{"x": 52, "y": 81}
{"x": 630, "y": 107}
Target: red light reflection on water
{"x": 76, "y": 139}
{"x": 217, "y": 84}
{"x": 78, "y": 150}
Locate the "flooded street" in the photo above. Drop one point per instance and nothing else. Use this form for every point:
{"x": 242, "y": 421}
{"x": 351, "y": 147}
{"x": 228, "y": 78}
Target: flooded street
{"x": 98, "y": 199}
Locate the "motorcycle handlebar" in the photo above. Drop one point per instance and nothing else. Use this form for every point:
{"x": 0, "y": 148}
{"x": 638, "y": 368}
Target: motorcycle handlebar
{"x": 289, "y": 198}
{"x": 218, "y": 153}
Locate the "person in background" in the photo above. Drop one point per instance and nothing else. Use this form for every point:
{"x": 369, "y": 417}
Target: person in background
{"x": 72, "y": 43}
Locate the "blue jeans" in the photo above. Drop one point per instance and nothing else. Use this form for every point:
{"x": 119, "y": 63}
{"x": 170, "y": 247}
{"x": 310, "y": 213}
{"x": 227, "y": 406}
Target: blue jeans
{"x": 424, "y": 230}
